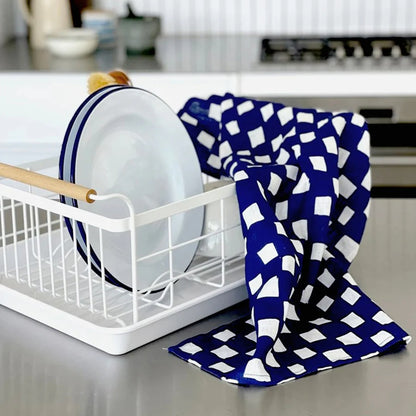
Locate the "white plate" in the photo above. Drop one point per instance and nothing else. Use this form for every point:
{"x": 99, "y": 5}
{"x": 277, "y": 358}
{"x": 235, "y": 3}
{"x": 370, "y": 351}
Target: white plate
{"x": 73, "y": 127}
{"x": 131, "y": 142}
{"x": 65, "y": 170}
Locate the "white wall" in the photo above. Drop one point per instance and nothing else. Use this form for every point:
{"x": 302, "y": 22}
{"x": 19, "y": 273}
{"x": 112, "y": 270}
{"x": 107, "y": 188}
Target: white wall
{"x": 276, "y": 16}
{"x": 255, "y": 16}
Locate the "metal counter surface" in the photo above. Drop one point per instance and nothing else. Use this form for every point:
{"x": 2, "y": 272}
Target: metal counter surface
{"x": 44, "y": 372}
{"x": 183, "y": 54}
{"x": 188, "y": 54}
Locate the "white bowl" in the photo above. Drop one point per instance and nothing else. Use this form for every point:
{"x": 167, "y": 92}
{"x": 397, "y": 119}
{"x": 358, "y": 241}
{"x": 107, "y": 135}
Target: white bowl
{"x": 72, "y": 43}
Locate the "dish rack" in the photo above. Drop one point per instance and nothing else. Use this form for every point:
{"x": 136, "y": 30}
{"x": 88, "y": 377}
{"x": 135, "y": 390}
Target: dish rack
{"x": 43, "y": 276}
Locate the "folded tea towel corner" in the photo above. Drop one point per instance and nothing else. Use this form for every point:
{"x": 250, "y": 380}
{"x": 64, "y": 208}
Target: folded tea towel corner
{"x": 303, "y": 186}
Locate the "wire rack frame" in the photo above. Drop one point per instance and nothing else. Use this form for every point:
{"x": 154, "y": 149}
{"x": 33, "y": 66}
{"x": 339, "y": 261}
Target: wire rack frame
{"x": 43, "y": 275}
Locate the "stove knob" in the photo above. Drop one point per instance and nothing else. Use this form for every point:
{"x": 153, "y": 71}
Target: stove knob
{"x": 377, "y": 52}
{"x": 396, "y": 52}
{"x": 340, "y": 52}
{"x": 358, "y": 52}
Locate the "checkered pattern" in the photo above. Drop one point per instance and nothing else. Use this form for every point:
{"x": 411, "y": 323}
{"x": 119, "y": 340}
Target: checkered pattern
{"x": 303, "y": 185}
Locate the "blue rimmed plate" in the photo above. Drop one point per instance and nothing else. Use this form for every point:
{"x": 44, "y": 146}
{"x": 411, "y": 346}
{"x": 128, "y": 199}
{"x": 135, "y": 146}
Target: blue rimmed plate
{"x": 65, "y": 171}
{"x": 73, "y": 126}
{"x": 130, "y": 142}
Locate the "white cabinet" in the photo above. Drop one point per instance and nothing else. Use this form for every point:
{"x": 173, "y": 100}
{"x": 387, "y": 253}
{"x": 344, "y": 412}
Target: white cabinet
{"x": 176, "y": 89}
{"x": 327, "y": 83}
{"x": 36, "y": 107}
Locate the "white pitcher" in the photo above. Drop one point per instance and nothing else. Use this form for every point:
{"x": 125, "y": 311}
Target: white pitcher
{"x": 45, "y": 17}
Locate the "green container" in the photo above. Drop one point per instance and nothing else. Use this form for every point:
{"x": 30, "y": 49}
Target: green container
{"x": 139, "y": 33}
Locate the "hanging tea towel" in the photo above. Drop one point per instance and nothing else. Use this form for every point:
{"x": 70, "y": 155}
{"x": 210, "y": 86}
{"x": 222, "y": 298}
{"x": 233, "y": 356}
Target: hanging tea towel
{"x": 303, "y": 186}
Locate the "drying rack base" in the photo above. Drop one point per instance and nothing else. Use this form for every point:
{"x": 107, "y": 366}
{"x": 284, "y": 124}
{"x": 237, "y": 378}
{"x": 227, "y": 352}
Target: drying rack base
{"x": 120, "y": 340}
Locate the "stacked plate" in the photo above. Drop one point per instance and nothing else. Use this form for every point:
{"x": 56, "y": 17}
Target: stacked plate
{"x": 127, "y": 141}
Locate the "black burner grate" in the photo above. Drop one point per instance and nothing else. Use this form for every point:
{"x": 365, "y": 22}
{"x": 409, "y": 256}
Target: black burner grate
{"x": 320, "y": 49}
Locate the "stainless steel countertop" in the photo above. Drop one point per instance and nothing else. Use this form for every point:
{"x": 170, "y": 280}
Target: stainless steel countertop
{"x": 186, "y": 54}
{"x": 44, "y": 372}
{"x": 189, "y": 54}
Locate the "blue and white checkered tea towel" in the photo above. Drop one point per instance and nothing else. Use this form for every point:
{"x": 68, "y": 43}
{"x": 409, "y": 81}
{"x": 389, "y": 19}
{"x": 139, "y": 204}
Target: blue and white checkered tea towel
{"x": 303, "y": 186}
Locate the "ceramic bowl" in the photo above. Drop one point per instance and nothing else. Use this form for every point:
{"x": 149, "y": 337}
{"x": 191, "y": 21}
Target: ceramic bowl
{"x": 72, "y": 43}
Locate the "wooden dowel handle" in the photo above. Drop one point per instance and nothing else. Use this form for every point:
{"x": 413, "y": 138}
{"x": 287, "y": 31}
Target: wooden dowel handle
{"x": 46, "y": 182}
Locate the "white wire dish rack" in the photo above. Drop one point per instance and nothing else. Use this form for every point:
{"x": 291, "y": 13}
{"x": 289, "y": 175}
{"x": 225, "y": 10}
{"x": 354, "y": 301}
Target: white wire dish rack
{"x": 43, "y": 276}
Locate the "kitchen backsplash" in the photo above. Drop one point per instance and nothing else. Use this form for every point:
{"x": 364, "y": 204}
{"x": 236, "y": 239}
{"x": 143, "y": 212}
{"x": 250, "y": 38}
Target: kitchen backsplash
{"x": 271, "y": 17}
{"x": 276, "y": 16}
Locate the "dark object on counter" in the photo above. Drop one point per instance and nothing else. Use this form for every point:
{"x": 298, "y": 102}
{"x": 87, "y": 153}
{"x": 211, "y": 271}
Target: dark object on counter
{"x": 76, "y": 8}
{"x": 139, "y": 33}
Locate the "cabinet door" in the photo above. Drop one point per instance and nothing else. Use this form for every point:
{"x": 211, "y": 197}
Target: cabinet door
{"x": 176, "y": 89}
{"x": 38, "y": 107}
{"x": 327, "y": 83}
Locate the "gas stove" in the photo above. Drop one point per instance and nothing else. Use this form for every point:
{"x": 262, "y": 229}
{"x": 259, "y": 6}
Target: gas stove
{"x": 391, "y": 119}
{"x": 339, "y": 49}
